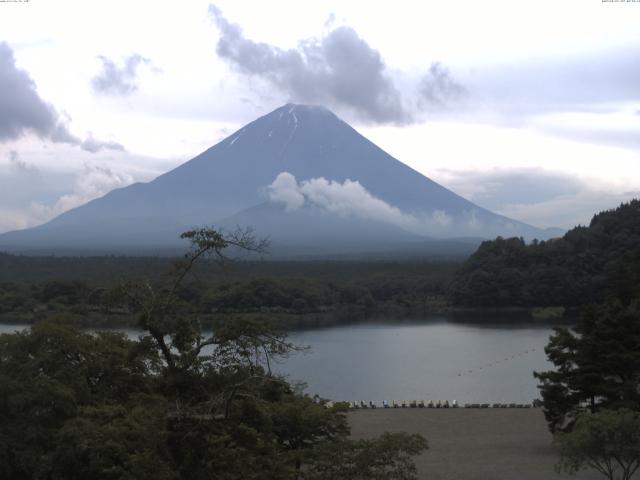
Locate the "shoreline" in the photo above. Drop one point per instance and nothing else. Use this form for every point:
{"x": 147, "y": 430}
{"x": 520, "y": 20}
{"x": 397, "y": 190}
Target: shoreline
{"x": 498, "y": 315}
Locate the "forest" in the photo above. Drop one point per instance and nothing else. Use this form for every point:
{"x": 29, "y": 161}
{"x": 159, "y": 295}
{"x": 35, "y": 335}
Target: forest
{"x": 588, "y": 265}
{"x": 292, "y": 294}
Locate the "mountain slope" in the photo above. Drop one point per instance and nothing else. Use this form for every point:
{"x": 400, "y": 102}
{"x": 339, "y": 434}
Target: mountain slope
{"x": 314, "y": 231}
{"x": 234, "y": 175}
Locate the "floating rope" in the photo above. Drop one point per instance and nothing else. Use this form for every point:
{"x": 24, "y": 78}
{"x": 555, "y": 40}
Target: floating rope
{"x": 497, "y": 362}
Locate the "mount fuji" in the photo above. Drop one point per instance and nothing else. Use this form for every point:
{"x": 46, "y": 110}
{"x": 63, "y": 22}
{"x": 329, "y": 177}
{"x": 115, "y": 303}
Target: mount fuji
{"x": 300, "y": 175}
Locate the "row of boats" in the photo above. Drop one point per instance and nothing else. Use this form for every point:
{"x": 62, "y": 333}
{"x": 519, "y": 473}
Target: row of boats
{"x": 356, "y": 405}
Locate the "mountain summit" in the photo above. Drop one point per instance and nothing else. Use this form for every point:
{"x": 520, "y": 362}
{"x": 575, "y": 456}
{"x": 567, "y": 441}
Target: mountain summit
{"x": 296, "y": 170}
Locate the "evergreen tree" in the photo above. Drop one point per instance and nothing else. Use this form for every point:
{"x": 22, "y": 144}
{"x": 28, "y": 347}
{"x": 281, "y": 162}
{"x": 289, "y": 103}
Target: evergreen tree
{"x": 597, "y": 365}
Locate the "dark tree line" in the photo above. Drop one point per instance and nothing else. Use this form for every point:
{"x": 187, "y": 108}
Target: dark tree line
{"x": 326, "y": 293}
{"x": 588, "y": 265}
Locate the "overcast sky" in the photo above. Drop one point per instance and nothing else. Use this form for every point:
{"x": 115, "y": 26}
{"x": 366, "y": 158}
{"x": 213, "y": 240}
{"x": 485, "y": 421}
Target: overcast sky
{"x": 528, "y": 108}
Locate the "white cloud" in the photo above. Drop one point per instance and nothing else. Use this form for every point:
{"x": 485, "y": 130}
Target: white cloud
{"x": 12, "y": 219}
{"x": 30, "y": 195}
{"x": 346, "y": 199}
{"x": 440, "y": 218}
{"x": 540, "y": 197}
{"x": 93, "y": 182}
{"x": 20, "y": 167}
{"x": 473, "y": 223}
{"x": 351, "y": 199}
{"x": 284, "y": 189}
{"x": 567, "y": 211}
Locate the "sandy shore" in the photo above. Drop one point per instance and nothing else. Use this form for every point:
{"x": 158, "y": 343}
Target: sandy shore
{"x": 472, "y": 444}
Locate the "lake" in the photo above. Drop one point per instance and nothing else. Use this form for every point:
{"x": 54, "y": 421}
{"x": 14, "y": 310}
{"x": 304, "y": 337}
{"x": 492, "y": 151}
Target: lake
{"x": 434, "y": 359}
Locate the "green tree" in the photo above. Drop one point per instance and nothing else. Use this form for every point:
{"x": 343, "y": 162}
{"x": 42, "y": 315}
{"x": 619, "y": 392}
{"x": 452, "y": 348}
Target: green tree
{"x": 301, "y": 423}
{"x": 388, "y": 457}
{"x": 180, "y": 402}
{"x": 607, "y": 441}
{"x": 49, "y": 376}
{"x": 127, "y": 440}
{"x": 597, "y": 365}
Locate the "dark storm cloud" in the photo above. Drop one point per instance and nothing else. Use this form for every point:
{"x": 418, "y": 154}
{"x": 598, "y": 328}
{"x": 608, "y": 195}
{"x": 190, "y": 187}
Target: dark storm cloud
{"x": 22, "y": 109}
{"x": 438, "y": 89}
{"x": 338, "y": 69}
{"x": 119, "y": 79}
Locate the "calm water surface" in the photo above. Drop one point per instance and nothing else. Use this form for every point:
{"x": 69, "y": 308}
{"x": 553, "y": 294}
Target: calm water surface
{"x": 433, "y": 359}
{"x": 430, "y": 359}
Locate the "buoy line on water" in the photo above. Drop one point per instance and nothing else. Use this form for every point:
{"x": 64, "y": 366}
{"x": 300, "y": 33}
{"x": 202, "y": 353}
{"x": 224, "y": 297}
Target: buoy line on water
{"x": 496, "y": 363}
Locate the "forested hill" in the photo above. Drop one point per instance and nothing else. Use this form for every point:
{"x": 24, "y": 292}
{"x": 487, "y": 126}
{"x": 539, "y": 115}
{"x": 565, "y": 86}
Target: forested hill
{"x": 587, "y": 265}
